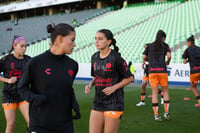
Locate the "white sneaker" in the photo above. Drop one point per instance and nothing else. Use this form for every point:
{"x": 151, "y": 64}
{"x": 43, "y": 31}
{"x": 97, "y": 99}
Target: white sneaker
{"x": 162, "y": 101}
{"x": 157, "y": 118}
{"x": 140, "y": 104}
{"x": 167, "y": 116}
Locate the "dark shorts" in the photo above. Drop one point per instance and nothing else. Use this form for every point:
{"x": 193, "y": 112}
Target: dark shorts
{"x": 69, "y": 128}
{"x": 109, "y": 107}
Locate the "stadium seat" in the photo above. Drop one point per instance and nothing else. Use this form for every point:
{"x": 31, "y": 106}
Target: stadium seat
{"x": 138, "y": 27}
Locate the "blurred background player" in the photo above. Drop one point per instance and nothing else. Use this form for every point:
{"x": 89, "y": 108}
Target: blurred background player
{"x": 111, "y": 74}
{"x": 145, "y": 81}
{"x": 12, "y": 66}
{"x": 132, "y": 69}
{"x": 192, "y": 55}
{"x": 74, "y": 23}
{"x": 47, "y": 84}
{"x": 155, "y": 54}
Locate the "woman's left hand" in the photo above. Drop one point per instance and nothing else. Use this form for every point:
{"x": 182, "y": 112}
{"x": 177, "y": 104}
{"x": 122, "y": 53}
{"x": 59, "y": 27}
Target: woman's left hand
{"x": 109, "y": 90}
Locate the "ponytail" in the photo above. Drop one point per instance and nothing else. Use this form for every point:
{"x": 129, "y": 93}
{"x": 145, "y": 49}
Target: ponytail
{"x": 158, "y": 44}
{"x": 59, "y": 29}
{"x": 191, "y": 39}
{"x": 109, "y": 35}
{"x": 116, "y": 48}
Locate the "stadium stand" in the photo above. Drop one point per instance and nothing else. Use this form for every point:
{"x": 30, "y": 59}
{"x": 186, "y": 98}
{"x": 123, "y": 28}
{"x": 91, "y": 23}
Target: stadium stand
{"x": 136, "y": 28}
{"x": 34, "y": 28}
{"x": 182, "y": 23}
{"x": 179, "y": 23}
{"x": 134, "y": 16}
{"x": 29, "y": 4}
{"x": 178, "y": 53}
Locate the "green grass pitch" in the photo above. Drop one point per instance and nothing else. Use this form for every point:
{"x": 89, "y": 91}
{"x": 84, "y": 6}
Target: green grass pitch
{"x": 185, "y": 117}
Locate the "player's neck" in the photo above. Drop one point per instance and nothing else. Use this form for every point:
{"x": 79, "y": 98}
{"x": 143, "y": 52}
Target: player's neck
{"x": 56, "y": 51}
{"x": 18, "y": 56}
{"x": 105, "y": 52}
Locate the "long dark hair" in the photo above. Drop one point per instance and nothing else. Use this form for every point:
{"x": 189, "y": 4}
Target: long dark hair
{"x": 109, "y": 35}
{"x": 158, "y": 44}
{"x": 191, "y": 39}
{"x": 59, "y": 29}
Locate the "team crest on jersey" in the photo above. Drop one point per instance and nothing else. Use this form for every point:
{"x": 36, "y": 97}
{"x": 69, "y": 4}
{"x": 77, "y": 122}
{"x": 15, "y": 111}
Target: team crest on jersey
{"x": 108, "y": 67}
{"x": 71, "y": 72}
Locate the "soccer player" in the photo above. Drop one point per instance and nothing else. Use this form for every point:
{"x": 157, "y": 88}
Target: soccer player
{"x": 47, "y": 84}
{"x": 12, "y": 66}
{"x": 155, "y": 53}
{"x": 192, "y": 55}
{"x": 111, "y": 74}
{"x": 132, "y": 69}
{"x": 145, "y": 80}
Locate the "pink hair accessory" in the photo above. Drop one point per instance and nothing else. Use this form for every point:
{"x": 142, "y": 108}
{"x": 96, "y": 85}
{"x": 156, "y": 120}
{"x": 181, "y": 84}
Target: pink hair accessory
{"x": 18, "y": 39}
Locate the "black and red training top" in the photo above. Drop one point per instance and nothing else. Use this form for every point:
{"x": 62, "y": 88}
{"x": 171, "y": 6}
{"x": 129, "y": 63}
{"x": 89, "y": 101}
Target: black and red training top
{"x": 108, "y": 72}
{"x": 156, "y": 59}
{"x": 193, "y": 55}
{"x": 12, "y": 67}
{"x": 47, "y": 84}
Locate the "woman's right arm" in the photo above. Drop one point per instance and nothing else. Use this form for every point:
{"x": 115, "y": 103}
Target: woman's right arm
{"x": 25, "y": 91}
{"x": 11, "y": 80}
{"x": 90, "y": 85}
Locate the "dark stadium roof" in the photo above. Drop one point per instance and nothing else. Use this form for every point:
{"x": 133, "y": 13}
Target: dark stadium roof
{"x": 32, "y": 4}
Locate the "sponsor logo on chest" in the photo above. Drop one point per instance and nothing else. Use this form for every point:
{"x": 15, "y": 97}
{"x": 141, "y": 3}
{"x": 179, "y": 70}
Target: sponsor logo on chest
{"x": 107, "y": 67}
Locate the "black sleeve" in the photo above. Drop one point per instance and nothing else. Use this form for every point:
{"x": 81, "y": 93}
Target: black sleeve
{"x": 146, "y": 51}
{"x": 25, "y": 91}
{"x": 92, "y": 67}
{"x": 75, "y": 104}
{"x": 1, "y": 65}
{"x": 167, "y": 49}
{"x": 185, "y": 54}
{"x": 76, "y": 70}
{"x": 122, "y": 68}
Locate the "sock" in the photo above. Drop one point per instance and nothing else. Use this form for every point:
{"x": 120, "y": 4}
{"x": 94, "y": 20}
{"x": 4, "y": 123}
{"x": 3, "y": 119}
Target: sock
{"x": 160, "y": 93}
{"x": 27, "y": 130}
{"x": 198, "y": 99}
{"x": 155, "y": 108}
{"x": 143, "y": 97}
{"x": 166, "y": 106}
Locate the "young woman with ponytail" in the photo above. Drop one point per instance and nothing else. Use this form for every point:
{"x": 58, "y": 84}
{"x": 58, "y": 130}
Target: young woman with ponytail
{"x": 12, "y": 66}
{"x": 192, "y": 55}
{"x": 47, "y": 84}
{"x": 111, "y": 74}
{"x": 155, "y": 54}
